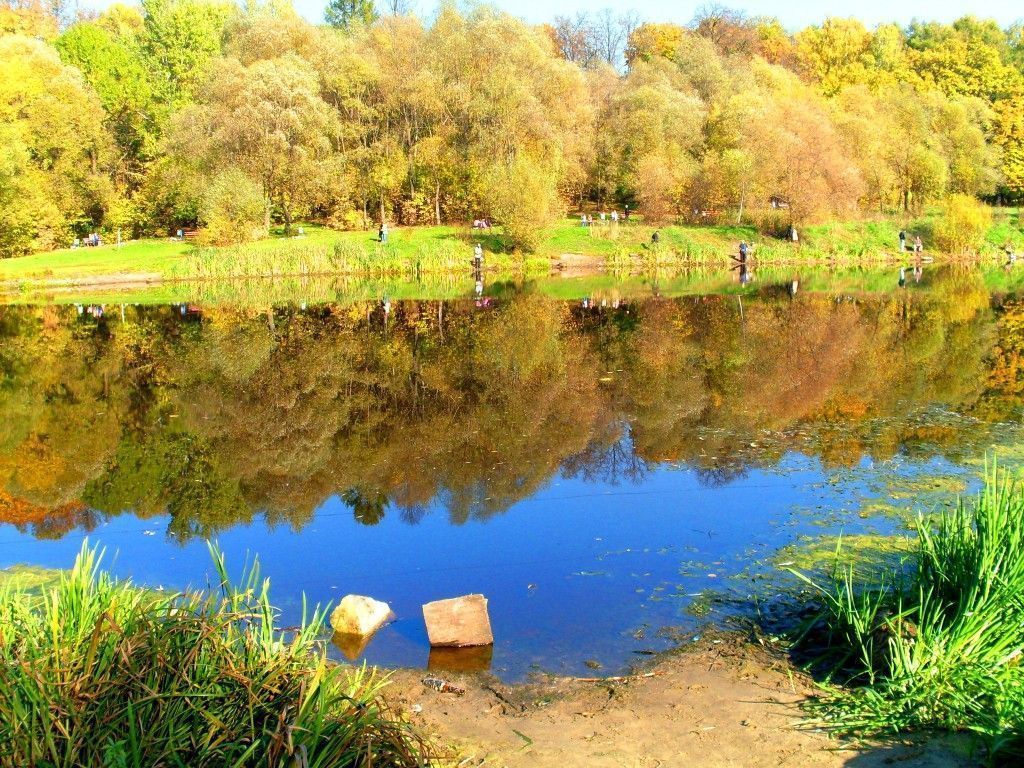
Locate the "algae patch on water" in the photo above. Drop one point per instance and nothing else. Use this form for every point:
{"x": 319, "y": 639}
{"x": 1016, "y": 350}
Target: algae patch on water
{"x": 865, "y": 551}
{"x": 928, "y": 486}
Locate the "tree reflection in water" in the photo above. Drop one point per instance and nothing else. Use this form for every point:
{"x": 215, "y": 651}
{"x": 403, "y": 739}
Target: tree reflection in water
{"x": 217, "y": 416}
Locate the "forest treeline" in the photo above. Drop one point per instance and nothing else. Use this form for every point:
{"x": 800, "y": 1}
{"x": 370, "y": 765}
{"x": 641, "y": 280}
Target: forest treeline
{"x": 224, "y": 416}
{"x": 178, "y": 113}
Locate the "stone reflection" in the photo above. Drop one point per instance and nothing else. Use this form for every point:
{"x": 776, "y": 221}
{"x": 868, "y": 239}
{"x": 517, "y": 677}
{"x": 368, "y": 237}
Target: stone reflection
{"x": 218, "y": 416}
{"x": 463, "y": 660}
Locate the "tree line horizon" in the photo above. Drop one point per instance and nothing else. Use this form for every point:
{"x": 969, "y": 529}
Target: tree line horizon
{"x": 235, "y": 118}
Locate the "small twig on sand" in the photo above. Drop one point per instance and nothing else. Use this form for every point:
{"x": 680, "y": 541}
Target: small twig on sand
{"x": 619, "y": 679}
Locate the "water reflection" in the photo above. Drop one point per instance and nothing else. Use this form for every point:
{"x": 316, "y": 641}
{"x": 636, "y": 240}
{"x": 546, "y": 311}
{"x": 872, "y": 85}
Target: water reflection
{"x": 214, "y": 416}
{"x": 606, "y": 467}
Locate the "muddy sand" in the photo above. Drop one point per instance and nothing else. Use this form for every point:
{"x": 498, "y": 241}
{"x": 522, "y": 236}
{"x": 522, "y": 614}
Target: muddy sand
{"x": 727, "y": 703}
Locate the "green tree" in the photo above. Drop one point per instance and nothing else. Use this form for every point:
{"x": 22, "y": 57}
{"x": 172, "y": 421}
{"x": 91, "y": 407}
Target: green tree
{"x": 346, "y": 13}
{"x": 117, "y": 70}
{"x": 181, "y": 38}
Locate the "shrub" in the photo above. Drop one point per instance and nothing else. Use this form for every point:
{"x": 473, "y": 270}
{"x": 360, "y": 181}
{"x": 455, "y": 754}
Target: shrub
{"x": 657, "y": 190}
{"x": 962, "y": 226}
{"x": 232, "y": 210}
{"x": 524, "y": 199}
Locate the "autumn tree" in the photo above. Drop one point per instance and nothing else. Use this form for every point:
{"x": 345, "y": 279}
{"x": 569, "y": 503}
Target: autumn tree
{"x": 575, "y": 37}
{"x": 32, "y": 18}
{"x": 836, "y": 54}
{"x": 962, "y": 225}
{"x": 53, "y": 149}
{"x": 511, "y": 105}
{"x": 650, "y": 41}
{"x": 730, "y": 31}
{"x": 268, "y": 119}
{"x": 796, "y": 151}
{"x": 653, "y": 125}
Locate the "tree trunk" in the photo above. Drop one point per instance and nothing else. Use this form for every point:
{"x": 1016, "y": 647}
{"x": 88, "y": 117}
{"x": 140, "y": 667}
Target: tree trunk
{"x": 437, "y": 202}
{"x": 266, "y": 214}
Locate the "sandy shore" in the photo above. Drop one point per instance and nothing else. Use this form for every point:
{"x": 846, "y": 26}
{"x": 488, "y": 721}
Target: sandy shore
{"x": 726, "y": 703}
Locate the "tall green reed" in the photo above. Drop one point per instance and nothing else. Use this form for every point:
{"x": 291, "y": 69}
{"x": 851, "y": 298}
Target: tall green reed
{"x": 939, "y": 644}
{"x": 97, "y": 672}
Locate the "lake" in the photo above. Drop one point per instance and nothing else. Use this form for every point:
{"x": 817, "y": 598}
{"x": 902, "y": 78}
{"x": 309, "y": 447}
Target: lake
{"x": 612, "y": 463}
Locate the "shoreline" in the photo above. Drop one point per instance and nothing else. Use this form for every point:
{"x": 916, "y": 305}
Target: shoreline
{"x": 567, "y": 266}
{"x": 725, "y": 701}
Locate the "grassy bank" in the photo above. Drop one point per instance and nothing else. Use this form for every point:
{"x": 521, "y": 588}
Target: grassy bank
{"x": 95, "y": 672}
{"x": 938, "y": 643}
{"x": 409, "y": 253}
{"x": 415, "y": 251}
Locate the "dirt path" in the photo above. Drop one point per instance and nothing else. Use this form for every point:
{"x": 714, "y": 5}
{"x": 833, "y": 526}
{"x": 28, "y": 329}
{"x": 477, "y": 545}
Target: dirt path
{"x": 723, "y": 705}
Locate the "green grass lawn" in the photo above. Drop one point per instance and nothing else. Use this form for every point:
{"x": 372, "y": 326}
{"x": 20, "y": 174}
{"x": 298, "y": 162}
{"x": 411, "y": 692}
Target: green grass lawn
{"x": 135, "y": 257}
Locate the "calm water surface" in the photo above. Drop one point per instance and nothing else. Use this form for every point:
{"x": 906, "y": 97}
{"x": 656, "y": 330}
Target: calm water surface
{"x": 610, "y": 471}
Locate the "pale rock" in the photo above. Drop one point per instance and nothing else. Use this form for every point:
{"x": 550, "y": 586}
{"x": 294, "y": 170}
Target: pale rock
{"x": 459, "y": 621}
{"x": 358, "y": 615}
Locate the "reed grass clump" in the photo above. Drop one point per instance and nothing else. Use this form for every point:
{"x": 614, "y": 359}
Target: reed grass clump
{"x": 97, "y": 672}
{"x": 307, "y": 258}
{"x": 939, "y": 643}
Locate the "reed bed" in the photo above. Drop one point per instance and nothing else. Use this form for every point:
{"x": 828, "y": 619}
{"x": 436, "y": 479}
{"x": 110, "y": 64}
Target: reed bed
{"x": 319, "y": 258}
{"x": 939, "y": 642}
{"x": 97, "y": 672}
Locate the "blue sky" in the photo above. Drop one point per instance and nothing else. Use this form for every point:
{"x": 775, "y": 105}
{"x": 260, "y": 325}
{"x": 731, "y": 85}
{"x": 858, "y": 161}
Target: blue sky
{"x": 793, "y": 15}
